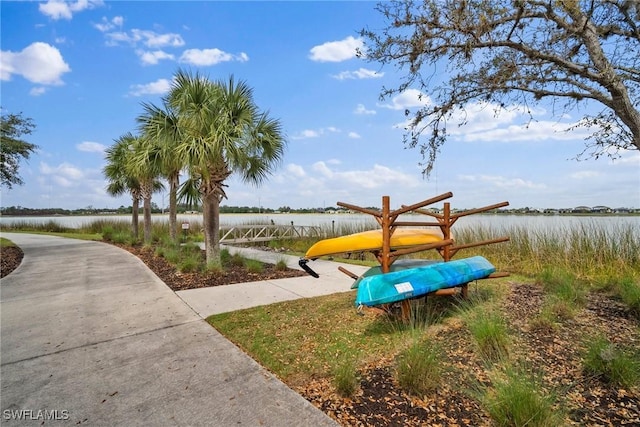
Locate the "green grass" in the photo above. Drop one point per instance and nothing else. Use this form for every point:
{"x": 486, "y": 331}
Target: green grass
{"x": 303, "y": 338}
{"x": 516, "y": 399}
{"x": 616, "y": 365}
{"x": 488, "y": 328}
{"x": 5, "y": 243}
{"x": 281, "y": 265}
{"x": 419, "y": 367}
{"x": 345, "y": 377}
{"x": 253, "y": 266}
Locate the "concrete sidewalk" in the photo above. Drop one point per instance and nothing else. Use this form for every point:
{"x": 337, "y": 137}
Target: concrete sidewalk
{"x": 89, "y": 335}
{"x": 221, "y": 299}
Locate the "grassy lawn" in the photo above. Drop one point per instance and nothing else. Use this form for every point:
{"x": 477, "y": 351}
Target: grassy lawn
{"x": 302, "y": 339}
{"x": 5, "y": 242}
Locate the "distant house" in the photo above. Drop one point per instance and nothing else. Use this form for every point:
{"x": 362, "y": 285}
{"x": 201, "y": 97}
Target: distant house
{"x": 582, "y": 209}
{"x": 601, "y": 209}
{"x": 622, "y": 210}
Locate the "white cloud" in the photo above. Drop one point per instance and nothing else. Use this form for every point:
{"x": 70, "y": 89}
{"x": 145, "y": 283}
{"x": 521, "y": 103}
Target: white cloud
{"x": 295, "y": 170}
{"x": 148, "y": 38}
{"x": 37, "y": 91}
{"x": 159, "y": 87}
{"x": 483, "y": 121}
{"x": 107, "y": 25}
{"x": 361, "y": 73}
{"x": 585, "y": 174}
{"x": 322, "y": 169}
{"x": 377, "y": 177}
{"x": 360, "y": 109}
{"x": 503, "y": 182}
{"x": 57, "y": 9}
{"x": 39, "y": 63}
{"x": 354, "y": 135}
{"x": 487, "y": 122}
{"x": 307, "y": 133}
{"x": 152, "y": 58}
{"x": 64, "y": 175}
{"x": 628, "y": 158}
{"x": 336, "y": 51}
{"x": 91, "y": 147}
{"x": 410, "y": 98}
{"x": 206, "y": 57}
{"x": 314, "y": 133}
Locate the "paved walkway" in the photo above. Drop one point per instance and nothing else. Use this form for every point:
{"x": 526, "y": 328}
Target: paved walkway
{"x": 90, "y": 336}
{"x": 221, "y": 299}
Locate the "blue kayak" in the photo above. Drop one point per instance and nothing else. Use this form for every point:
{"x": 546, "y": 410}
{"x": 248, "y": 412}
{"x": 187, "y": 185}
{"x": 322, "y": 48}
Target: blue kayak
{"x": 399, "y": 265}
{"x": 415, "y": 282}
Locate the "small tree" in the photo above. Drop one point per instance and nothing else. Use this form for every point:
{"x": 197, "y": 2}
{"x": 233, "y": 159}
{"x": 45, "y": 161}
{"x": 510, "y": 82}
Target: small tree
{"x": 13, "y": 148}
{"x": 161, "y": 134}
{"x": 516, "y": 52}
{"x": 224, "y": 133}
{"x": 120, "y": 181}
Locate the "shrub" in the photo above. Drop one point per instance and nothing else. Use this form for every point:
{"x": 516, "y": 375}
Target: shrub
{"x": 236, "y": 260}
{"x": 189, "y": 264}
{"x": 253, "y": 266}
{"x": 225, "y": 256}
{"x": 614, "y": 365}
{"x": 514, "y": 399}
{"x": 281, "y": 265}
{"x": 122, "y": 238}
{"x": 345, "y": 378}
{"x": 489, "y": 331}
{"x": 418, "y": 368}
{"x": 564, "y": 285}
{"x": 629, "y": 291}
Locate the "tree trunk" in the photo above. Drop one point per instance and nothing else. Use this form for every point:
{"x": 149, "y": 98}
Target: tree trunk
{"x": 173, "y": 207}
{"x": 147, "y": 219}
{"x": 146, "y": 192}
{"x": 211, "y": 217}
{"x": 135, "y": 205}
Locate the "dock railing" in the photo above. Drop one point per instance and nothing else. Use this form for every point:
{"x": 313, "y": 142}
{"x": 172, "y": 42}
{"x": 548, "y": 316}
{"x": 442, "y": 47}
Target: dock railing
{"x": 265, "y": 233}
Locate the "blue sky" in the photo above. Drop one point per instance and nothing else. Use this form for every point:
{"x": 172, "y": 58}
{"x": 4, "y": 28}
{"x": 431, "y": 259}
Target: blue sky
{"x": 82, "y": 69}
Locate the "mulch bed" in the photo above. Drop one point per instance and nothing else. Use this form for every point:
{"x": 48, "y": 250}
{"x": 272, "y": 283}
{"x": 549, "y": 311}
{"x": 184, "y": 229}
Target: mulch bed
{"x": 10, "y": 259}
{"x": 554, "y": 354}
{"x": 179, "y": 281}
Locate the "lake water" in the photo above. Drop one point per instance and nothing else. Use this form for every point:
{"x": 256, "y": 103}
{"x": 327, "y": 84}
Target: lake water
{"x": 493, "y": 221}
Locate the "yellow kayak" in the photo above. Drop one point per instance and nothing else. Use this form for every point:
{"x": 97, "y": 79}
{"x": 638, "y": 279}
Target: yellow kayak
{"x": 372, "y": 241}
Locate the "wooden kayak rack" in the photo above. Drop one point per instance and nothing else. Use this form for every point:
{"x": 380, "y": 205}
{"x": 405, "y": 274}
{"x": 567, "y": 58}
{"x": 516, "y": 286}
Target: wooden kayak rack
{"x": 388, "y": 221}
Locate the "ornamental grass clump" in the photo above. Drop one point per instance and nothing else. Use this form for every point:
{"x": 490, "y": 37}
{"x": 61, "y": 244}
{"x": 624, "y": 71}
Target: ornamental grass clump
{"x": 345, "y": 378}
{"x": 419, "y": 368}
{"x": 488, "y": 329}
{"x": 516, "y": 399}
{"x": 611, "y": 363}
{"x": 253, "y": 266}
{"x": 281, "y": 265}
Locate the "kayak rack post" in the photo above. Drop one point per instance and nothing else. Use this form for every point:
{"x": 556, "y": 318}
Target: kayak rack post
{"x": 447, "y": 249}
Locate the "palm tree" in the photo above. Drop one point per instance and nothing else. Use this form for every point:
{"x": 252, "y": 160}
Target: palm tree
{"x": 160, "y": 136}
{"x": 223, "y": 132}
{"x": 120, "y": 181}
{"x": 145, "y": 165}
